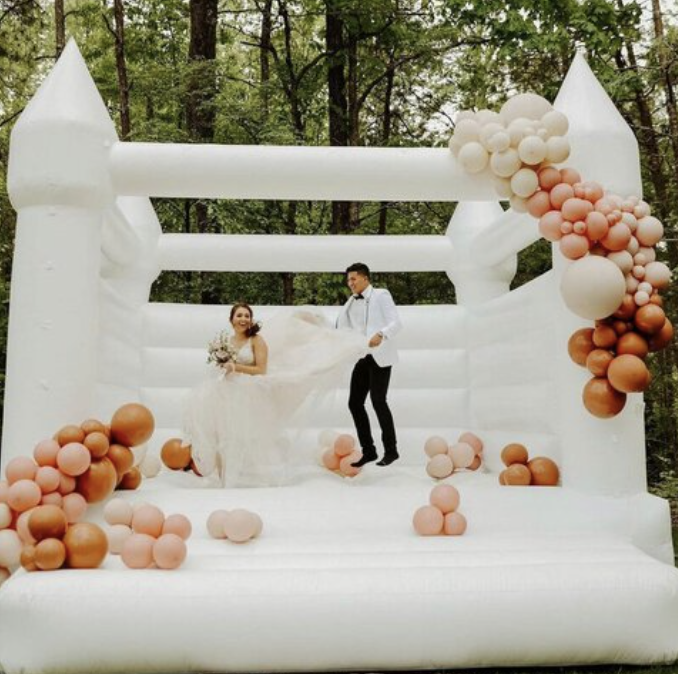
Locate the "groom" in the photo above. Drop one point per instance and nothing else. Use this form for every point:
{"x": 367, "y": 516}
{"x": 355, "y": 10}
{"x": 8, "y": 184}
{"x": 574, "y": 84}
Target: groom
{"x": 372, "y": 312}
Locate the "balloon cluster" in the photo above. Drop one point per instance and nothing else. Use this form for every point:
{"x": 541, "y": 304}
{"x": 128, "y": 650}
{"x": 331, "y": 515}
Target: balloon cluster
{"x": 340, "y": 453}
{"x": 143, "y": 537}
{"x": 238, "y": 526}
{"x": 521, "y": 471}
{"x": 176, "y": 455}
{"x": 615, "y": 277}
{"x": 445, "y": 459}
{"x": 441, "y": 516}
{"x": 513, "y": 143}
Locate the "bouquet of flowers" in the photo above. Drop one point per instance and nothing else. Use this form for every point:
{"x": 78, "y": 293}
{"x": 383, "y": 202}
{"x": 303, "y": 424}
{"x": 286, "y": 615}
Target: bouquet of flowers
{"x": 220, "y": 350}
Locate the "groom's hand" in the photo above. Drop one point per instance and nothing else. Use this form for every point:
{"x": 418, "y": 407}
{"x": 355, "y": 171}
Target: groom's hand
{"x": 376, "y": 340}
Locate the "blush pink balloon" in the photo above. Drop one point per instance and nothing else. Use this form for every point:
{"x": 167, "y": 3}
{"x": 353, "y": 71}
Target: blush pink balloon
{"x": 345, "y": 466}
{"x": 617, "y": 238}
{"x": 473, "y": 440}
{"x": 455, "y": 524}
{"x": 53, "y": 498}
{"x": 576, "y": 209}
{"x": 117, "y": 534}
{"x": 169, "y": 552}
{"x": 567, "y": 227}
{"x": 549, "y": 177}
{"x": 118, "y": 511}
{"x": 240, "y": 526}
{"x": 597, "y": 226}
{"x": 331, "y": 460}
{"x": 178, "y": 524}
{"x": 538, "y": 204}
{"x": 462, "y": 455}
{"x": 74, "y": 459}
{"x": 67, "y": 484}
{"x": 574, "y": 246}
{"x": 579, "y": 227}
{"x": 435, "y": 445}
{"x": 4, "y": 491}
{"x": 22, "y": 527}
{"x": 45, "y": 452}
{"x": 445, "y": 497}
{"x": 20, "y": 468}
{"x": 641, "y": 210}
{"x": 148, "y": 519}
{"x": 74, "y": 507}
{"x": 649, "y": 231}
{"x": 215, "y": 523}
{"x": 604, "y": 206}
{"x": 6, "y": 516}
{"x": 440, "y": 466}
{"x": 137, "y": 551}
{"x": 344, "y": 445}
{"x": 24, "y": 495}
{"x": 570, "y": 176}
{"x": 593, "y": 191}
{"x": 549, "y": 225}
{"x": 48, "y": 479}
{"x": 658, "y": 274}
{"x": 560, "y": 194}
{"x": 428, "y": 521}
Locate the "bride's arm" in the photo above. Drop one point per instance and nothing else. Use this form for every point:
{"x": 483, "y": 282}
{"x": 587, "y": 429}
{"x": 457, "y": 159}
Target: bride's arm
{"x": 260, "y": 349}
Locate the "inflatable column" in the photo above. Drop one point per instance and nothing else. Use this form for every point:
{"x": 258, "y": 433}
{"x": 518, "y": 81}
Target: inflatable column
{"x": 599, "y": 455}
{"x": 59, "y": 186}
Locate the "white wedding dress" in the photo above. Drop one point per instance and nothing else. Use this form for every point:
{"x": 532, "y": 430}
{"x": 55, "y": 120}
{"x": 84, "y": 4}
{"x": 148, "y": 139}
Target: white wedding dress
{"x": 236, "y": 423}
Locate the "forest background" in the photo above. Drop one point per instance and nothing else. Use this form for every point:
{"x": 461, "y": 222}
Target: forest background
{"x": 349, "y": 73}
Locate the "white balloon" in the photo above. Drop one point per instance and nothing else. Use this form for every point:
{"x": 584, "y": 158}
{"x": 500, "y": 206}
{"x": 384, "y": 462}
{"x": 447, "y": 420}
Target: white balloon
{"x": 118, "y": 511}
{"x": 435, "y": 445}
{"x": 593, "y": 287}
{"x": 454, "y": 145}
{"x": 623, "y": 259}
{"x": 527, "y": 105}
{"x": 502, "y": 187}
{"x": 117, "y": 534}
{"x": 150, "y": 466}
{"x": 518, "y": 204}
{"x": 506, "y": 163}
{"x": 555, "y": 122}
{"x": 649, "y": 253}
{"x": 518, "y": 129}
{"x": 487, "y": 117}
{"x": 5, "y": 516}
{"x": 557, "y": 149}
{"x": 473, "y": 157}
{"x": 10, "y": 548}
{"x": 499, "y": 142}
{"x": 658, "y": 274}
{"x": 466, "y": 131}
{"x": 139, "y": 453}
{"x": 525, "y": 183}
{"x": 532, "y": 150}
{"x": 488, "y": 131}
{"x": 464, "y": 114}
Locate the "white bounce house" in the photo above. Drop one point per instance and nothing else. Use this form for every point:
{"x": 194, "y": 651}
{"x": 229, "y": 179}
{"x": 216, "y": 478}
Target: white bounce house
{"x": 580, "y": 573}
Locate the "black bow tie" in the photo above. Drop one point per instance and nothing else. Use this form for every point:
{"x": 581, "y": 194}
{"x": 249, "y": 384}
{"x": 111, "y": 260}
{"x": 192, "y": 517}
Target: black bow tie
{"x": 359, "y": 296}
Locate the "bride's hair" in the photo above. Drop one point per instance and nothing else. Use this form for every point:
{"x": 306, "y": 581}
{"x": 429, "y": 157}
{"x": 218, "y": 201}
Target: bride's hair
{"x": 254, "y": 327}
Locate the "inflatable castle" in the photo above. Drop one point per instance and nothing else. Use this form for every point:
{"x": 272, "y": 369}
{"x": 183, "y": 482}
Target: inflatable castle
{"x": 578, "y": 573}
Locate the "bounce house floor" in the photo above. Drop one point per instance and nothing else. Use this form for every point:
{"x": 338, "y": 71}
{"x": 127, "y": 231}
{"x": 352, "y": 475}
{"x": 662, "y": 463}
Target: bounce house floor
{"x": 338, "y": 580}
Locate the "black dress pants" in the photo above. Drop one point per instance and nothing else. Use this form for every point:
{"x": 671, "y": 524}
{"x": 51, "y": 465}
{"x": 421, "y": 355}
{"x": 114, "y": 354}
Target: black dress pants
{"x": 368, "y": 377}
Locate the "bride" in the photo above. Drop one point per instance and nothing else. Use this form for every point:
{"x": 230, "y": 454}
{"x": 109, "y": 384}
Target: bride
{"x": 235, "y": 420}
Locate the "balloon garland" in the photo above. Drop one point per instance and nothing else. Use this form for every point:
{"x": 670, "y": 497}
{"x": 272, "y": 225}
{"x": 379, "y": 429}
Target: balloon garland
{"x": 615, "y": 278}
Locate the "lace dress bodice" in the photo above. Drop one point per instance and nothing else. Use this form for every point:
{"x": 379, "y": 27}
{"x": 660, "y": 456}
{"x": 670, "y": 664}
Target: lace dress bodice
{"x": 246, "y": 353}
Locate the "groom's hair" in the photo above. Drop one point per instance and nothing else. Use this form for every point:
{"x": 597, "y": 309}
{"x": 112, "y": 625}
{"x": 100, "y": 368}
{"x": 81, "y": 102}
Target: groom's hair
{"x": 360, "y": 268}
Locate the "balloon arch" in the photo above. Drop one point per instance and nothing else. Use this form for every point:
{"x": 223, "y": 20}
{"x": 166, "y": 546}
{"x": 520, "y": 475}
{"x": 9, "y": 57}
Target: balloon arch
{"x": 337, "y": 578}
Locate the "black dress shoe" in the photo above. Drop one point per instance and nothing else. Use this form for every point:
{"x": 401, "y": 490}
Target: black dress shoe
{"x": 365, "y": 458}
{"x": 388, "y": 459}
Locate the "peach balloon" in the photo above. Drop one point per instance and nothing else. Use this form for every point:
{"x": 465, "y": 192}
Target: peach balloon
{"x": 122, "y": 458}
{"x": 50, "y": 554}
{"x": 53, "y": 498}
{"x": 601, "y": 399}
{"x": 48, "y": 479}
{"x": 604, "y": 337}
{"x": 47, "y": 522}
{"x": 454, "y": 524}
{"x": 628, "y": 374}
{"x": 597, "y": 226}
{"x": 502, "y": 478}
{"x": 73, "y": 459}
{"x": 462, "y": 455}
{"x": 45, "y": 452}
{"x": 240, "y": 526}
{"x": 598, "y": 361}
{"x": 345, "y": 466}
{"x": 330, "y": 459}
{"x": 92, "y": 426}
{"x": 626, "y": 309}
{"x": 570, "y": 176}
{"x": 477, "y": 462}
{"x": 623, "y": 259}
{"x": 344, "y": 445}
{"x": 67, "y": 484}
{"x": 23, "y": 495}
{"x": 560, "y": 194}
{"x": 69, "y": 434}
{"x": 514, "y": 453}
{"x": 175, "y": 455}
{"x": 576, "y": 209}
{"x": 137, "y": 551}
{"x": 117, "y": 534}
{"x": 545, "y": 472}
{"x": 98, "y": 481}
{"x": 550, "y": 226}
{"x": 118, "y": 511}
{"x": 169, "y": 552}
{"x": 440, "y": 466}
{"x": 580, "y": 345}
{"x": 473, "y": 440}
{"x": 617, "y": 238}
{"x": 132, "y": 425}
{"x": 517, "y": 475}
{"x": 86, "y": 546}
{"x": 538, "y": 204}
{"x": 74, "y": 507}
{"x": 10, "y": 548}
{"x": 445, "y": 497}
{"x": 215, "y": 523}
{"x": 574, "y": 246}
{"x": 148, "y": 519}
{"x": 649, "y": 319}
{"x": 660, "y": 340}
{"x": 20, "y": 468}
{"x": 649, "y": 231}
{"x": 22, "y": 527}
{"x": 428, "y": 521}
{"x": 97, "y": 443}
{"x": 132, "y": 478}
{"x": 178, "y": 524}
{"x": 549, "y": 177}
{"x": 27, "y": 558}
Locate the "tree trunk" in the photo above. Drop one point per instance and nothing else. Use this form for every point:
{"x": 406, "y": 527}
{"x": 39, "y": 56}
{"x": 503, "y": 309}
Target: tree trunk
{"x": 121, "y": 67}
{"x": 337, "y": 104}
{"x": 60, "y": 26}
{"x": 264, "y": 55}
{"x": 353, "y": 117}
{"x": 386, "y": 134}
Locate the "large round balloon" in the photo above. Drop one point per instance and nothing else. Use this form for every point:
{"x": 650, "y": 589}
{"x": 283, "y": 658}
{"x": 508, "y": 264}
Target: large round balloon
{"x": 86, "y": 546}
{"x": 593, "y": 287}
{"x": 601, "y": 399}
{"x": 98, "y": 481}
{"x": 132, "y": 425}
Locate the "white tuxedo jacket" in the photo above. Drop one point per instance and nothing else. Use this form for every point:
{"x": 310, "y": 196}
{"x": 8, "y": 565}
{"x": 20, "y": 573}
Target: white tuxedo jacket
{"x": 381, "y": 316}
